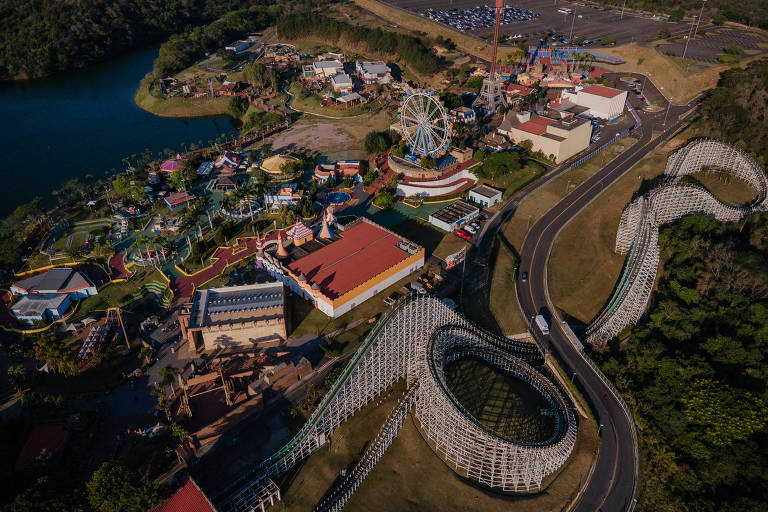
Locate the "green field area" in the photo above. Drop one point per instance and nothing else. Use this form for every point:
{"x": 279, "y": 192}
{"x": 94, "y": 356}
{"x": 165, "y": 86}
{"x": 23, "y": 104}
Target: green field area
{"x": 541, "y": 201}
{"x": 306, "y": 319}
{"x": 502, "y": 298}
{"x": 313, "y": 104}
{"x": 63, "y": 242}
{"x": 131, "y": 294}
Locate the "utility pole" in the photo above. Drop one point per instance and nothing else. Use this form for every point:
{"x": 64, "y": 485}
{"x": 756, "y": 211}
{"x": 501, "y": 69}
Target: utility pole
{"x": 573, "y": 21}
{"x": 622, "y": 10}
{"x": 690, "y": 33}
{"x": 698, "y": 22}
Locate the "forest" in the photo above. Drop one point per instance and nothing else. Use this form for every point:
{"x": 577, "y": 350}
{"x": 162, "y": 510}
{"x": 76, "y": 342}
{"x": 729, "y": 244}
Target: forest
{"x": 737, "y": 109}
{"x": 411, "y": 49}
{"x": 43, "y": 37}
{"x": 748, "y": 12}
{"x": 695, "y": 370}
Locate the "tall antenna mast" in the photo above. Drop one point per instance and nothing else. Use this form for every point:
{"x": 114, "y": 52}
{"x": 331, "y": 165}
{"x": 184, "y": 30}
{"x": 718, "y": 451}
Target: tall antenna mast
{"x": 490, "y": 97}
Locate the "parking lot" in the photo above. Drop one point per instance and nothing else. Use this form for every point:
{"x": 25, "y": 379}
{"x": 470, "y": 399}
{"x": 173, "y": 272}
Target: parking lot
{"x": 706, "y": 48}
{"x": 588, "y": 22}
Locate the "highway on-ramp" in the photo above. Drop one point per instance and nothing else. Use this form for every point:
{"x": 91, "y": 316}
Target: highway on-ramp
{"x": 612, "y": 486}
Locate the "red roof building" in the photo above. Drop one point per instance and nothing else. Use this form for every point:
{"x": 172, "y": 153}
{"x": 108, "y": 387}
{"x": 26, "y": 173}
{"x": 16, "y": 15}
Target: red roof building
{"x": 363, "y": 262}
{"x": 187, "y": 499}
{"x": 50, "y": 438}
{"x": 179, "y": 199}
{"x": 602, "y": 91}
{"x": 536, "y": 126}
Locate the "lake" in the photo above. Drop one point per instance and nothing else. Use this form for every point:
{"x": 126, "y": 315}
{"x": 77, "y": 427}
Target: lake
{"x": 83, "y": 122}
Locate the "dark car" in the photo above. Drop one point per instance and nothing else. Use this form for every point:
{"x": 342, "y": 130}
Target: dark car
{"x": 524, "y": 276}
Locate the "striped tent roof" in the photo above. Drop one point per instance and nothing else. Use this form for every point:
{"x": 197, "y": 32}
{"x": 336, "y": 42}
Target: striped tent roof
{"x": 299, "y": 231}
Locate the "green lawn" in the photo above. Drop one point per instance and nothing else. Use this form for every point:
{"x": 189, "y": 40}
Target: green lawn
{"x": 119, "y": 293}
{"x": 315, "y": 105}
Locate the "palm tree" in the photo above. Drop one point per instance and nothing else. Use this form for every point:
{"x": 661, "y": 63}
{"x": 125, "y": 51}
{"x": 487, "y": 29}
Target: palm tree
{"x": 167, "y": 376}
{"x": 142, "y": 240}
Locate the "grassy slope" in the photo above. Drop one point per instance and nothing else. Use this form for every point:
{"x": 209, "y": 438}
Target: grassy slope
{"x": 666, "y": 72}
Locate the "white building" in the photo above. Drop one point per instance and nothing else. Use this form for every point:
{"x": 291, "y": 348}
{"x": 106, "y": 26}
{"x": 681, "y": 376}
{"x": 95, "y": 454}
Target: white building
{"x": 373, "y": 72}
{"x": 559, "y": 139}
{"x": 35, "y": 307}
{"x": 327, "y": 68}
{"x": 453, "y": 216}
{"x": 485, "y": 195}
{"x": 603, "y": 102}
{"x": 342, "y": 83}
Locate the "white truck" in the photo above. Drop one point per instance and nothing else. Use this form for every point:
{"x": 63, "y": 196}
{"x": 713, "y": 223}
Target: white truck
{"x": 542, "y": 324}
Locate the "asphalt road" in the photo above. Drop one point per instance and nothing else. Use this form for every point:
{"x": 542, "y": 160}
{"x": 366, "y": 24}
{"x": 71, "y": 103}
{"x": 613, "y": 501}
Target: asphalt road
{"x": 612, "y": 485}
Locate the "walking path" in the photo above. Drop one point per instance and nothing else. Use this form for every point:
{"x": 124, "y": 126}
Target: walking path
{"x": 222, "y": 258}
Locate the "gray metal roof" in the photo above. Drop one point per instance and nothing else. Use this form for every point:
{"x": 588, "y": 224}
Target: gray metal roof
{"x": 54, "y": 280}
{"x": 36, "y": 305}
{"x": 454, "y": 212}
{"x": 232, "y": 300}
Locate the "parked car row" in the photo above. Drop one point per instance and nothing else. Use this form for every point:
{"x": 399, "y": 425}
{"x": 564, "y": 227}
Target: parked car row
{"x": 469, "y": 230}
{"x": 479, "y": 17}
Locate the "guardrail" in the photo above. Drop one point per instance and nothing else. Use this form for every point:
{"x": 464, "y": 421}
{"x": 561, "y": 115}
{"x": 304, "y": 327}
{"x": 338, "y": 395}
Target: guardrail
{"x": 615, "y": 392}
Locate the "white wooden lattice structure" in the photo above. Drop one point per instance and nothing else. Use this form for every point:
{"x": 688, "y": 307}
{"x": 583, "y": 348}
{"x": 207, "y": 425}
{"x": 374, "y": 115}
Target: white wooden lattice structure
{"x": 638, "y": 233}
{"x": 416, "y": 341}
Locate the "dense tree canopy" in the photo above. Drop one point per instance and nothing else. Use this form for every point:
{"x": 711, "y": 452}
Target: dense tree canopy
{"x": 736, "y": 111}
{"x": 411, "y": 49}
{"x": 749, "y": 12}
{"x": 41, "y": 37}
{"x": 695, "y": 370}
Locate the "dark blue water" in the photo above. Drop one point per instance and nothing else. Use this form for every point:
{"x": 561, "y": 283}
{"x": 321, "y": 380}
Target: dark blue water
{"x": 83, "y": 122}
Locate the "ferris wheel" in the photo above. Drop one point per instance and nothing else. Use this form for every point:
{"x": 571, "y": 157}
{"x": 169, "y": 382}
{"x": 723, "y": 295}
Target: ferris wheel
{"x": 425, "y": 124}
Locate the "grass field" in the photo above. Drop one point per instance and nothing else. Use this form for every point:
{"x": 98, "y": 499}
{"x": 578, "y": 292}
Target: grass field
{"x": 315, "y": 105}
{"x": 502, "y": 299}
{"x": 119, "y": 293}
{"x": 583, "y": 267}
{"x": 305, "y": 319}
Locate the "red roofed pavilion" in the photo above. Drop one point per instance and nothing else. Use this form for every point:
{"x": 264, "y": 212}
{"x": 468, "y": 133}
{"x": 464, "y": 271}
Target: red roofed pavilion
{"x": 187, "y": 499}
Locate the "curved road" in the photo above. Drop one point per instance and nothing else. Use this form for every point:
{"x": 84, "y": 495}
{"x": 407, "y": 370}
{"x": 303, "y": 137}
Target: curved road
{"x": 612, "y": 486}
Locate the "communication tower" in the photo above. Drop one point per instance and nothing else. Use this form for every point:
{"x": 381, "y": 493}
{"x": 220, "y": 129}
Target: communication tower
{"x": 491, "y": 96}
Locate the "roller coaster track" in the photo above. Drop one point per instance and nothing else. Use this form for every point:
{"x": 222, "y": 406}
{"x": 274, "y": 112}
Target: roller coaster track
{"x": 638, "y": 233}
{"x": 416, "y": 341}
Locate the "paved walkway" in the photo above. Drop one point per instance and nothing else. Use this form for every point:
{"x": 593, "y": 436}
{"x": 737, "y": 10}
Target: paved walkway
{"x": 222, "y": 258}
{"x": 117, "y": 267}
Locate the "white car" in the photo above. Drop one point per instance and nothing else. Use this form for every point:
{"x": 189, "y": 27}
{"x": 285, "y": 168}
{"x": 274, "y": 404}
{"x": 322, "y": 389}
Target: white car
{"x": 470, "y": 230}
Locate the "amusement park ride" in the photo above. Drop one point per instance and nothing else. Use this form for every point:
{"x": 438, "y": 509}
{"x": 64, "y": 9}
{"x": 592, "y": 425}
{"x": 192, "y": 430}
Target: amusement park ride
{"x": 424, "y": 121}
{"x": 491, "y": 96}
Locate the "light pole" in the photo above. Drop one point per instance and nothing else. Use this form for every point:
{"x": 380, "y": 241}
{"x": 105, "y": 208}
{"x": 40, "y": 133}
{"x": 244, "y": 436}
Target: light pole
{"x": 573, "y": 377}
{"x": 573, "y": 21}
{"x": 669, "y": 104}
{"x": 622, "y": 10}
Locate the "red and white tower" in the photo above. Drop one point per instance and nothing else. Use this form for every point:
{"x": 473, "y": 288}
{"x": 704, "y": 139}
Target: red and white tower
{"x": 491, "y": 96}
